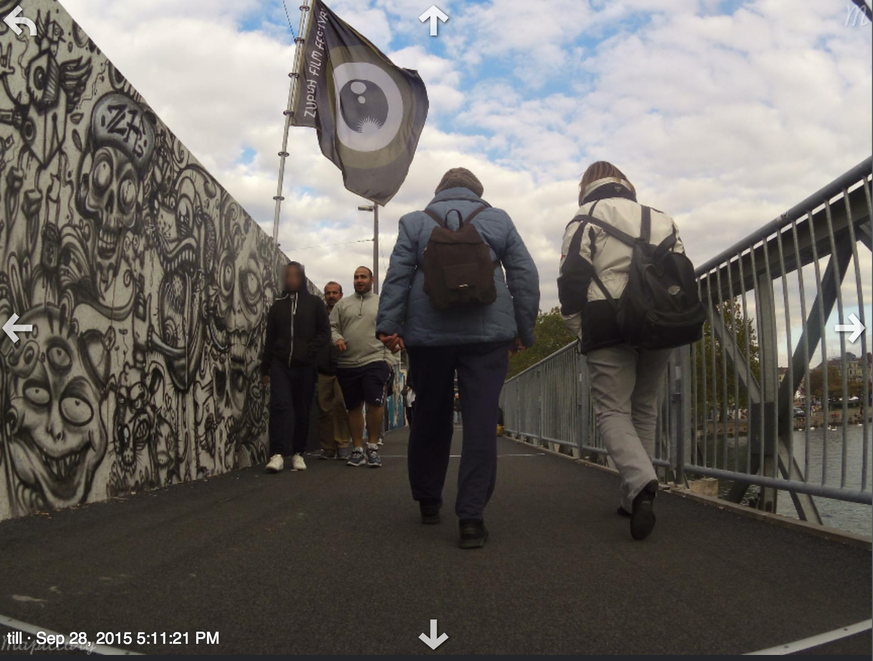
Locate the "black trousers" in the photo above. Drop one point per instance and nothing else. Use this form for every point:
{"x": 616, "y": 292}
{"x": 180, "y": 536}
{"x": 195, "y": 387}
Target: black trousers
{"x": 481, "y": 372}
{"x": 292, "y": 393}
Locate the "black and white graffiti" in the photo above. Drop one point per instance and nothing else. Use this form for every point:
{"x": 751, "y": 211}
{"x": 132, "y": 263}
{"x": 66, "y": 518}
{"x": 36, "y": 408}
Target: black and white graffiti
{"x": 145, "y": 282}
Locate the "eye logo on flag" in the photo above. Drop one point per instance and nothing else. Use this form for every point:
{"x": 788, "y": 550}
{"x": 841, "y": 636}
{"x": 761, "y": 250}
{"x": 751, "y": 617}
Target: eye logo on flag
{"x": 371, "y": 108}
{"x": 368, "y": 112}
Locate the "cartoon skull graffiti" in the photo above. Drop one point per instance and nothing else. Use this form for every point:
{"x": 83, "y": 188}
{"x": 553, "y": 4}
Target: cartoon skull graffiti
{"x": 55, "y": 435}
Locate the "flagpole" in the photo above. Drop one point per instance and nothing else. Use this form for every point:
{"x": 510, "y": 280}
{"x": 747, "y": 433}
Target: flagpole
{"x": 289, "y": 113}
{"x": 375, "y": 248}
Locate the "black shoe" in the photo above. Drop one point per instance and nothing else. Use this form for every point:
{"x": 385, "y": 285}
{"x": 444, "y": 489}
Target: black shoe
{"x": 643, "y": 516}
{"x": 430, "y": 512}
{"x": 473, "y": 534}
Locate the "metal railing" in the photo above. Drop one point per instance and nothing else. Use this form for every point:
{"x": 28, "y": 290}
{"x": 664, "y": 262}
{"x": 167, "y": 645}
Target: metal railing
{"x": 771, "y": 396}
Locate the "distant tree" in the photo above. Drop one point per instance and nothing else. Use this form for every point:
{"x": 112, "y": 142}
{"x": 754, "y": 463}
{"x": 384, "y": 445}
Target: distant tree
{"x": 835, "y": 382}
{"x": 550, "y": 334}
{"x": 710, "y": 363}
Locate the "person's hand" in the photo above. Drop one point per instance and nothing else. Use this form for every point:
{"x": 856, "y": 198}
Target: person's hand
{"x": 340, "y": 345}
{"x": 393, "y": 342}
{"x": 517, "y": 348}
{"x": 265, "y": 379}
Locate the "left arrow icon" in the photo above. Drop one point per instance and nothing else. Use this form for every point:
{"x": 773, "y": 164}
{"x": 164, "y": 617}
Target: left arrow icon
{"x": 11, "y": 328}
{"x": 13, "y": 21}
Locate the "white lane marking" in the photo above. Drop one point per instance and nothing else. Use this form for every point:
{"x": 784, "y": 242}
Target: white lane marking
{"x": 816, "y": 641}
{"x": 18, "y": 625}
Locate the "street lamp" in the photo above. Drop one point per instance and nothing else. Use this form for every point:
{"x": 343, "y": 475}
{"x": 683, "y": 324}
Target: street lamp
{"x": 375, "y": 209}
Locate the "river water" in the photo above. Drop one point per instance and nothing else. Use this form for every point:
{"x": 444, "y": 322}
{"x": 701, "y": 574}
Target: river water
{"x": 851, "y": 517}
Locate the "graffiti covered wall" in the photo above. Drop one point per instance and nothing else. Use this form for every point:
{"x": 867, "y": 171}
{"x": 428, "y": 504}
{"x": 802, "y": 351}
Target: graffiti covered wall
{"x": 145, "y": 282}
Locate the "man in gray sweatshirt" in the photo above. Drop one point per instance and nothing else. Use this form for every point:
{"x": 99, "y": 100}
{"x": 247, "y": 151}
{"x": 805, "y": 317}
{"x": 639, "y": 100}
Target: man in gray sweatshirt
{"x": 363, "y": 366}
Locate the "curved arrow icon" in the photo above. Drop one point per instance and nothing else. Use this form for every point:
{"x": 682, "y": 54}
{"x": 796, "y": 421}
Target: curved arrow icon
{"x": 11, "y": 328}
{"x": 434, "y": 14}
{"x": 13, "y": 21}
{"x": 433, "y": 641}
{"x": 856, "y": 328}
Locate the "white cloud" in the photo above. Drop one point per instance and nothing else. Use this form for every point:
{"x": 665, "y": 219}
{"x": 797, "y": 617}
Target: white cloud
{"x": 722, "y": 121}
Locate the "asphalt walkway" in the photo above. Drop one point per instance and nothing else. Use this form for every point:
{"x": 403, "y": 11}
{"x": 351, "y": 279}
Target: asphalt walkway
{"x": 334, "y": 560}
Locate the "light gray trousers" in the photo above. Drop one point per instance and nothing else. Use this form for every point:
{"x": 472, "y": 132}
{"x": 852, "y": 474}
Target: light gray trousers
{"x": 626, "y": 385}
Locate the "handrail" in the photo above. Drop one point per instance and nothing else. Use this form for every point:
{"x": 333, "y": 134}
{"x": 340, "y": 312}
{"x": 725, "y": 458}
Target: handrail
{"x": 794, "y": 213}
{"x": 736, "y": 410}
{"x": 540, "y": 362}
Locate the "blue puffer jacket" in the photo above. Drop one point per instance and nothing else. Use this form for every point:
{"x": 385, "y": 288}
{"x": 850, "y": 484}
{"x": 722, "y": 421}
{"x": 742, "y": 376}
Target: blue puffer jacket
{"x": 405, "y": 309}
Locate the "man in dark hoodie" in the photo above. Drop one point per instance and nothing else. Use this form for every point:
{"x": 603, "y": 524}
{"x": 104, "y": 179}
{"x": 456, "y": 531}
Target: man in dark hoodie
{"x": 297, "y": 330}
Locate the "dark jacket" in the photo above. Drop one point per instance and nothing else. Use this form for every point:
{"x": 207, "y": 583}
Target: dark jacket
{"x": 311, "y": 330}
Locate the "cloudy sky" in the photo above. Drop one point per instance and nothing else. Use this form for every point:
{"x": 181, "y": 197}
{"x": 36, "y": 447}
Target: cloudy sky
{"x": 723, "y": 113}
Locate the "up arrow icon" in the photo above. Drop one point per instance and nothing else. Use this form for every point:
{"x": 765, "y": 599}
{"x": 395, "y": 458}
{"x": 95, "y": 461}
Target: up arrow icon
{"x": 433, "y": 641}
{"x": 433, "y": 15}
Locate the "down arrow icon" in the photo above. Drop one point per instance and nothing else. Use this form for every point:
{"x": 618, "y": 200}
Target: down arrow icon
{"x": 433, "y": 641}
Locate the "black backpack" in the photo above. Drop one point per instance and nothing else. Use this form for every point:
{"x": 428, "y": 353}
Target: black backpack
{"x": 458, "y": 271}
{"x": 660, "y": 307}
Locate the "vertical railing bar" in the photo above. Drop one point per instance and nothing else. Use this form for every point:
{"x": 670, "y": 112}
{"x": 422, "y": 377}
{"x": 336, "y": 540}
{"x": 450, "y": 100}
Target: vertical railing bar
{"x": 863, "y": 317}
{"x": 790, "y": 346}
{"x": 758, "y": 324}
{"x": 735, "y": 339}
{"x": 714, "y": 376}
{"x": 775, "y": 373}
{"x": 695, "y": 400}
{"x": 724, "y": 379}
{"x": 703, "y": 380}
{"x": 748, "y": 343}
{"x": 824, "y": 349}
{"x": 806, "y": 356}
{"x": 844, "y": 380}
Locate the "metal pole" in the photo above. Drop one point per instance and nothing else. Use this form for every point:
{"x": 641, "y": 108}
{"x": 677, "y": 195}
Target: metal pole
{"x": 375, "y": 248}
{"x": 289, "y": 113}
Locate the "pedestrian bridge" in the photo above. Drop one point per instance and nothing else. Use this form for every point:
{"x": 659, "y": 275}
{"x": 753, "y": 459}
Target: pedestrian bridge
{"x": 335, "y": 561}
{"x": 772, "y": 403}
{"x": 135, "y": 515}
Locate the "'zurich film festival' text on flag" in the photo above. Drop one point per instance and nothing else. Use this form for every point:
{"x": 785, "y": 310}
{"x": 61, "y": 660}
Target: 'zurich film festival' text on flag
{"x": 368, "y": 112}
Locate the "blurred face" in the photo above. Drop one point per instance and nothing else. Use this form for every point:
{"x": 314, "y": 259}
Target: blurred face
{"x": 332, "y": 295}
{"x": 293, "y": 278}
{"x": 363, "y": 280}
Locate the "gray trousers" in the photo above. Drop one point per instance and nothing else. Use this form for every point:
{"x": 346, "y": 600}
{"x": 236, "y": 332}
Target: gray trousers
{"x": 626, "y": 386}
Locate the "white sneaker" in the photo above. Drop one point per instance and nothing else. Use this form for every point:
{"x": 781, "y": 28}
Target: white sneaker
{"x": 277, "y": 463}
{"x": 297, "y": 463}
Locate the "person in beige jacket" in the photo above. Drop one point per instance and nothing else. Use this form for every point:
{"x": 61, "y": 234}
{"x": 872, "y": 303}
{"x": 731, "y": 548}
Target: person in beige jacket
{"x": 626, "y": 381}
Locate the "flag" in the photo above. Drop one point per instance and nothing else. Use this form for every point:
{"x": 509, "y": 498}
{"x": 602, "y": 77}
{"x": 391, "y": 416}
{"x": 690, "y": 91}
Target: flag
{"x": 368, "y": 112}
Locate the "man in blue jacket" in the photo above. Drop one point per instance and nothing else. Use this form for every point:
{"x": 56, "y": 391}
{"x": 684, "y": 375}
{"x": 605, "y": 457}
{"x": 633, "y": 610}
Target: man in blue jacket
{"x": 475, "y": 342}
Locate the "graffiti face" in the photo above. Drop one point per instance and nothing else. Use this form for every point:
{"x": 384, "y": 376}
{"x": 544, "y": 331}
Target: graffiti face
{"x": 146, "y": 285}
{"x": 111, "y": 199}
{"x": 51, "y": 412}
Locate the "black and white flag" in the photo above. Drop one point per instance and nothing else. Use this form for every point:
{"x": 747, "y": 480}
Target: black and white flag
{"x": 368, "y": 112}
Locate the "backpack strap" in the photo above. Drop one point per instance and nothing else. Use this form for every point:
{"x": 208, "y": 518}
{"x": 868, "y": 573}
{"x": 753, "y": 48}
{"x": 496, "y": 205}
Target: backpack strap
{"x": 461, "y": 220}
{"x": 439, "y": 221}
{"x": 665, "y": 246}
{"x": 576, "y": 245}
{"x": 624, "y": 237}
{"x": 646, "y": 225}
{"x": 470, "y": 218}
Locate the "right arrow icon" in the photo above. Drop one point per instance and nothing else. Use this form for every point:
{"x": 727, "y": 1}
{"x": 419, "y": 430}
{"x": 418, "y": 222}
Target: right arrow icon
{"x": 433, "y": 15}
{"x": 856, "y": 328}
{"x": 433, "y": 641}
